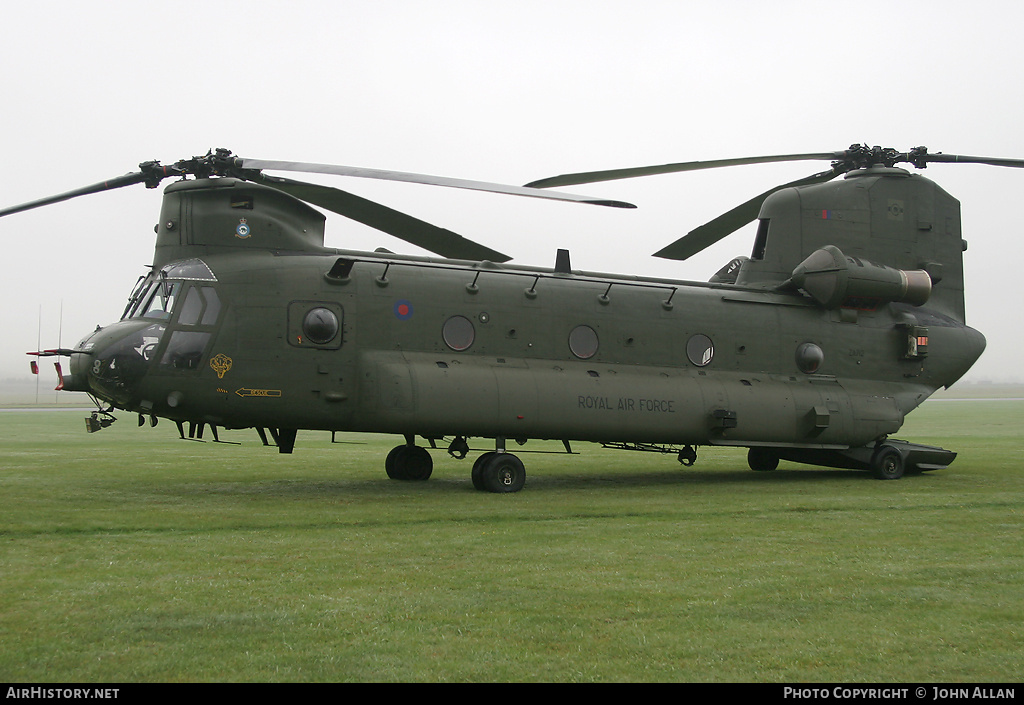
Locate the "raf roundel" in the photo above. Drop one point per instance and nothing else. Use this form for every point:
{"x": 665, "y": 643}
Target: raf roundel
{"x": 403, "y": 310}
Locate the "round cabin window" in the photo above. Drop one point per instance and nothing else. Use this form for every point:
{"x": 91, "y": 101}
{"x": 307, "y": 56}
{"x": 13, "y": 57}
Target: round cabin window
{"x": 583, "y": 342}
{"x": 458, "y": 333}
{"x": 700, "y": 350}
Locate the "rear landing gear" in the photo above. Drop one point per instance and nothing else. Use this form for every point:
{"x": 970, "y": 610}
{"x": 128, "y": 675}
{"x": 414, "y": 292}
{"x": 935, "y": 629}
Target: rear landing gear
{"x": 887, "y": 463}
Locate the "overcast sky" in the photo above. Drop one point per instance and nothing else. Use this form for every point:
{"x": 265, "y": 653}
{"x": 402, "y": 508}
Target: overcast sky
{"x": 507, "y": 92}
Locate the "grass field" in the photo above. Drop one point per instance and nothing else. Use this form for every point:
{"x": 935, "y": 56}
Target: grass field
{"x": 132, "y": 556}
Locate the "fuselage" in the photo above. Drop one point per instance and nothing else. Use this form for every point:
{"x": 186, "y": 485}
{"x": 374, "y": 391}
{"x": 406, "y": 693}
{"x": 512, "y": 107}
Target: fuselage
{"x": 356, "y": 341}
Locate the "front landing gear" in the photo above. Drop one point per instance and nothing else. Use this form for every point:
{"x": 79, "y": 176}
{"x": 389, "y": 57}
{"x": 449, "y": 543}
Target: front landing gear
{"x": 494, "y": 471}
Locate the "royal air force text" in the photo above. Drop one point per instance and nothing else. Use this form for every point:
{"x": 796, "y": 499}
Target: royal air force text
{"x": 628, "y": 404}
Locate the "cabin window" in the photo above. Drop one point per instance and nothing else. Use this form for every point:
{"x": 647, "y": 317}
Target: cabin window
{"x": 700, "y": 350}
{"x": 583, "y": 342}
{"x": 458, "y": 333}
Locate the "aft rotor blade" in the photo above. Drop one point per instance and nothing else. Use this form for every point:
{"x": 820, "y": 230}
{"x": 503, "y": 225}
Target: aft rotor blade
{"x": 588, "y": 177}
{"x": 729, "y": 222}
{"x": 962, "y": 159}
{"x": 406, "y": 227}
{"x": 425, "y": 179}
{"x": 120, "y": 181}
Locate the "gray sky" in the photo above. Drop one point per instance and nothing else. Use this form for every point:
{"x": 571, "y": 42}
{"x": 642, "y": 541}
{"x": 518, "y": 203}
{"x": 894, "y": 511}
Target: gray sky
{"x": 506, "y": 92}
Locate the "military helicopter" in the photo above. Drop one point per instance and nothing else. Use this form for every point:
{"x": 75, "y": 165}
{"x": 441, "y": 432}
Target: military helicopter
{"x": 847, "y": 315}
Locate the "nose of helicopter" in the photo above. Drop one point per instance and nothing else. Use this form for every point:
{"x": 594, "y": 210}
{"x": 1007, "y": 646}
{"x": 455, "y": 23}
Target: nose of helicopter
{"x": 111, "y": 362}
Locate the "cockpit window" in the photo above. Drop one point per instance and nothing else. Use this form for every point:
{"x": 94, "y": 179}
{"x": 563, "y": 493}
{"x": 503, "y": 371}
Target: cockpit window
{"x": 154, "y": 297}
{"x": 156, "y": 293}
{"x": 160, "y": 300}
{"x": 193, "y": 306}
{"x": 185, "y": 350}
{"x": 193, "y": 269}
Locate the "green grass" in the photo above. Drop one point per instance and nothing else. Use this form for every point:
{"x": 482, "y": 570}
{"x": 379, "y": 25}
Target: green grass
{"x": 131, "y": 556}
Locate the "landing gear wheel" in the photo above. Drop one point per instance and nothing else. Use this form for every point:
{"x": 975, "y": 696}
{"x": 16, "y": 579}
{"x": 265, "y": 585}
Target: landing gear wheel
{"x": 501, "y": 472}
{"x": 478, "y": 470}
{"x": 409, "y": 463}
{"x": 887, "y": 464}
{"x": 762, "y": 460}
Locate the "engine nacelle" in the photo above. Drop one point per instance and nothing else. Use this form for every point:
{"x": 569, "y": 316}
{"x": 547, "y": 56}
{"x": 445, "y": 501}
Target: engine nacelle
{"x": 837, "y": 281}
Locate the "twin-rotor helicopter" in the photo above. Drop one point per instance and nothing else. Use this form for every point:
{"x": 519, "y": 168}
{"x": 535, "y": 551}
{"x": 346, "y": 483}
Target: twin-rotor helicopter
{"x": 847, "y": 315}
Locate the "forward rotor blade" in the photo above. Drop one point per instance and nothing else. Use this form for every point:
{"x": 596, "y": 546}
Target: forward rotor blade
{"x": 406, "y": 227}
{"x": 425, "y": 179}
{"x": 729, "y": 222}
{"x": 120, "y": 181}
{"x": 588, "y": 177}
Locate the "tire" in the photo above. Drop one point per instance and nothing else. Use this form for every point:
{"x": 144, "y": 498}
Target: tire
{"x": 409, "y": 463}
{"x": 503, "y": 473}
{"x": 478, "y": 470}
{"x": 762, "y": 459}
{"x": 887, "y": 464}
